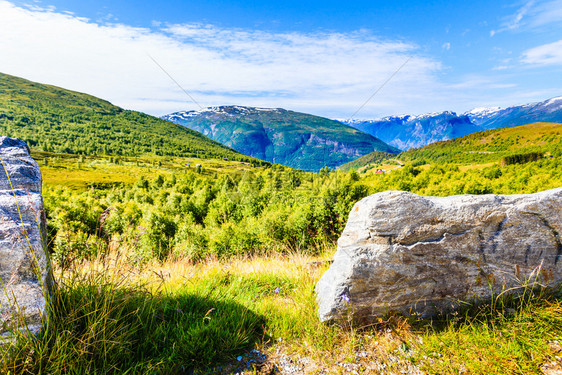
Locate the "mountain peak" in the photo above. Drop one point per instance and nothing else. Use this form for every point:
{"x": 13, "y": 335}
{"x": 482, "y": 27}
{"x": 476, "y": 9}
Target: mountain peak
{"x": 482, "y": 112}
{"x": 228, "y": 110}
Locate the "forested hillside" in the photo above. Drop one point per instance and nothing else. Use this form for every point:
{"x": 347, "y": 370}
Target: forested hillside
{"x": 53, "y": 119}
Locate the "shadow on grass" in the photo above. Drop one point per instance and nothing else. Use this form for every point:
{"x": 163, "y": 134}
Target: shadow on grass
{"x": 103, "y": 328}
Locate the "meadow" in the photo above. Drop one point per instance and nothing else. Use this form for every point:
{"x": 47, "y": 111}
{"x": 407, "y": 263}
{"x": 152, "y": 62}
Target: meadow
{"x": 164, "y": 267}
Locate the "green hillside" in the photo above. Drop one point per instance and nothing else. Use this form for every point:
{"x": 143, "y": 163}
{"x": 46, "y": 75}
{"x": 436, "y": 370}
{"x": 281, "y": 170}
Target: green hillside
{"x": 492, "y": 145}
{"x": 374, "y": 157}
{"x": 298, "y": 140}
{"x": 52, "y": 119}
{"x": 497, "y": 145}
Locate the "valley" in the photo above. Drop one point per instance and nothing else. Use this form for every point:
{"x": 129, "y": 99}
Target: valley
{"x": 173, "y": 253}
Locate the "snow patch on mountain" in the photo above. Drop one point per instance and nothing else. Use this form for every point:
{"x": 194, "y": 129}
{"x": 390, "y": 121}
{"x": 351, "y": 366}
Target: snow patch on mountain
{"x": 483, "y": 111}
{"x": 557, "y": 100}
{"x": 407, "y": 131}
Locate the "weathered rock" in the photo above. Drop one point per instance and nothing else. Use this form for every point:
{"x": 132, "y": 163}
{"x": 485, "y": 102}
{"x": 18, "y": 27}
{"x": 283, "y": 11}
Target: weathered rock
{"x": 401, "y": 252}
{"x": 24, "y": 266}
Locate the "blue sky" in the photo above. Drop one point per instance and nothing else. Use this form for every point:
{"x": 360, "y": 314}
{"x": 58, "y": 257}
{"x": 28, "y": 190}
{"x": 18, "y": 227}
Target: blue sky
{"x": 320, "y": 57}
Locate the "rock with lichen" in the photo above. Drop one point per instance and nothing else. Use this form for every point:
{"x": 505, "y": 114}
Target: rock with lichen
{"x": 24, "y": 264}
{"x": 404, "y": 253}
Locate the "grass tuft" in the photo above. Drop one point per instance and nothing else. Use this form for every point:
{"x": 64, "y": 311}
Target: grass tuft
{"x": 177, "y": 316}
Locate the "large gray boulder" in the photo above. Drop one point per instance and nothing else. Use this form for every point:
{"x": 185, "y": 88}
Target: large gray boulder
{"x": 24, "y": 266}
{"x": 401, "y": 252}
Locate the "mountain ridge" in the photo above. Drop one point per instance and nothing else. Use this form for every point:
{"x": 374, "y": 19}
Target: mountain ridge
{"x": 278, "y": 135}
{"x": 413, "y": 131}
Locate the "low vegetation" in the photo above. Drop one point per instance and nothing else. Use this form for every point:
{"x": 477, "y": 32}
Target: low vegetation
{"x": 185, "y": 270}
{"x": 179, "y": 317}
{"x": 492, "y": 145}
{"x": 178, "y": 261}
{"x": 375, "y": 157}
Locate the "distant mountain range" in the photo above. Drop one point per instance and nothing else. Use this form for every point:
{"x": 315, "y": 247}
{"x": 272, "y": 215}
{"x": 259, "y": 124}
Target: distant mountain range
{"x": 407, "y": 131}
{"x": 280, "y": 136}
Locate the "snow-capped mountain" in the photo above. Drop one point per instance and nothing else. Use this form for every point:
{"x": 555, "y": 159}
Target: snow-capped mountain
{"x": 408, "y": 131}
{"x": 274, "y": 134}
{"x": 491, "y": 118}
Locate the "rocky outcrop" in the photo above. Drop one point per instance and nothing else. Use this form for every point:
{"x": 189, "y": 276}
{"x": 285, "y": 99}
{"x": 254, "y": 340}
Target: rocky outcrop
{"x": 24, "y": 266}
{"x": 401, "y": 252}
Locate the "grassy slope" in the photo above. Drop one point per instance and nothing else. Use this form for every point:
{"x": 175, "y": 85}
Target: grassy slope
{"x": 479, "y": 148}
{"x": 178, "y": 317}
{"x": 372, "y": 158}
{"x": 492, "y": 145}
{"x": 79, "y": 172}
{"x": 54, "y": 119}
{"x": 286, "y": 137}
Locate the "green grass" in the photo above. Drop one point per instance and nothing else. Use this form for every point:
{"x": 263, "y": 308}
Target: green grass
{"x": 375, "y": 157}
{"x": 105, "y": 322}
{"x": 110, "y": 317}
{"x": 80, "y": 172}
{"x": 516, "y": 340}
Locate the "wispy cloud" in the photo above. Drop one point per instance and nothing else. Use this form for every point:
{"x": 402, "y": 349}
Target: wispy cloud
{"x": 546, "y": 54}
{"x": 532, "y": 15}
{"x": 546, "y": 13}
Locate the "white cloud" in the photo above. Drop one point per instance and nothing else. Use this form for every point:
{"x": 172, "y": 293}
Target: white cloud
{"x": 532, "y": 15}
{"x": 514, "y": 21}
{"x": 546, "y": 13}
{"x": 446, "y": 46}
{"x": 546, "y": 54}
{"x": 329, "y": 74}
{"x": 324, "y": 73}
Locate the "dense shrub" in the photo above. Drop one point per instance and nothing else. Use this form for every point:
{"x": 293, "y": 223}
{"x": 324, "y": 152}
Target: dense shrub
{"x": 280, "y": 209}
